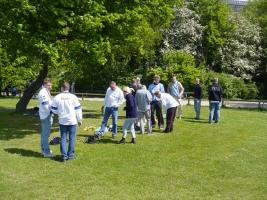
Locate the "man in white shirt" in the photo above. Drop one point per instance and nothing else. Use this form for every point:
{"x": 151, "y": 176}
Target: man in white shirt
{"x": 169, "y": 104}
{"x": 176, "y": 89}
{"x": 45, "y": 100}
{"x": 68, "y": 109}
{"x": 114, "y": 98}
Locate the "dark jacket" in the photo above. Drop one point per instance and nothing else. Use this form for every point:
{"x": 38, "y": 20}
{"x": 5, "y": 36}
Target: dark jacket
{"x": 197, "y": 91}
{"x": 131, "y": 108}
{"x": 215, "y": 92}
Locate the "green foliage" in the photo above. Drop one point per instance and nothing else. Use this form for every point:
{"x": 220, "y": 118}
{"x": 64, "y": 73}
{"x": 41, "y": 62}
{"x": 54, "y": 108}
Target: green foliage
{"x": 176, "y": 63}
{"x": 234, "y": 87}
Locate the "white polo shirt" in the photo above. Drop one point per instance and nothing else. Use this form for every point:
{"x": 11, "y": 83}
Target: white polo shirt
{"x": 68, "y": 108}
{"x": 168, "y": 101}
{"x": 45, "y": 100}
{"x": 114, "y": 98}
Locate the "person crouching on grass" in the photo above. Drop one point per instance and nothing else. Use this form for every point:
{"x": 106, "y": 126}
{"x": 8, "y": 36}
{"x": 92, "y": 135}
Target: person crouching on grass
{"x": 170, "y": 104}
{"x": 131, "y": 115}
{"x": 68, "y": 109}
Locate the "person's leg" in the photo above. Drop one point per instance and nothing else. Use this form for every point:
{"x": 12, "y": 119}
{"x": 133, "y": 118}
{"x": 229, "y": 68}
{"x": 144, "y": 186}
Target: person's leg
{"x": 148, "y": 121}
{"x": 63, "y": 135}
{"x": 72, "y": 129}
{"x": 179, "y": 110}
{"x": 173, "y": 117}
{"x": 168, "y": 120}
{"x": 131, "y": 126}
{"x": 132, "y": 131}
{"x": 158, "y": 108}
{"x": 45, "y": 133}
{"x": 114, "y": 121}
{"x": 107, "y": 114}
{"x": 153, "y": 121}
{"x": 125, "y": 127}
{"x": 198, "y": 108}
{"x": 141, "y": 121}
{"x": 212, "y": 108}
{"x": 217, "y": 112}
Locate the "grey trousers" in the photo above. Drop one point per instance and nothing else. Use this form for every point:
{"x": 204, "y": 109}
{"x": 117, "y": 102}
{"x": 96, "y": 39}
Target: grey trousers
{"x": 141, "y": 119}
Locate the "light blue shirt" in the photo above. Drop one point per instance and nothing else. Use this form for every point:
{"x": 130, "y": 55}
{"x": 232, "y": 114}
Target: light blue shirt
{"x": 154, "y": 88}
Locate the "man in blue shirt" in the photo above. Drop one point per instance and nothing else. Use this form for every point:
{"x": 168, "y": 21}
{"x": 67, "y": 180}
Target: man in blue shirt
{"x": 176, "y": 89}
{"x": 156, "y": 86}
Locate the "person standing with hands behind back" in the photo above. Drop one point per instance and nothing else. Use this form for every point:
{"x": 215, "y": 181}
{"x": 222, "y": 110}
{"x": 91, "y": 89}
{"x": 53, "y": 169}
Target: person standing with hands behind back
{"x": 68, "y": 109}
{"x": 197, "y": 98}
{"x": 176, "y": 89}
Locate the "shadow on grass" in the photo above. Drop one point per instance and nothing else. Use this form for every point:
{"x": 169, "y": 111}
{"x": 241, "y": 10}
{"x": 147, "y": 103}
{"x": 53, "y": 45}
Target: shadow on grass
{"x": 196, "y": 121}
{"x": 24, "y": 152}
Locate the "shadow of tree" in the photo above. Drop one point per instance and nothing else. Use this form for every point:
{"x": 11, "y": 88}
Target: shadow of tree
{"x": 24, "y": 152}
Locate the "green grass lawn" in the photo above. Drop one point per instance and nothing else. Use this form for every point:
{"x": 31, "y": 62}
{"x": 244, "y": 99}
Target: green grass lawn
{"x": 197, "y": 161}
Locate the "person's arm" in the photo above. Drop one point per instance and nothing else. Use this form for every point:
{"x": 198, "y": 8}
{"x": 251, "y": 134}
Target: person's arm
{"x": 44, "y": 102}
{"x": 149, "y": 97}
{"x": 168, "y": 89}
{"x": 181, "y": 89}
{"x": 162, "y": 90}
{"x": 54, "y": 106}
{"x": 78, "y": 110}
{"x": 121, "y": 98}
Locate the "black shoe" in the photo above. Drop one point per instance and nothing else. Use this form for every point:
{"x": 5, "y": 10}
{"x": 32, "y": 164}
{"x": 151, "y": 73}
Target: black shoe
{"x": 122, "y": 141}
{"x": 92, "y": 139}
{"x": 153, "y": 126}
{"x": 132, "y": 141}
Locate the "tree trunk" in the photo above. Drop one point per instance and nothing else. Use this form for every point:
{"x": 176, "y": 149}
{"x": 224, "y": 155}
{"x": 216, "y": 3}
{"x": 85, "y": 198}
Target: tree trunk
{"x": 28, "y": 93}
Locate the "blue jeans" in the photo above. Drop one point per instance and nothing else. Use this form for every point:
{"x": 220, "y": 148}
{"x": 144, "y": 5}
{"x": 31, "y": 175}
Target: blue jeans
{"x": 110, "y": 111}
{"x": 64, "y": 130}
{"x": 129, "y": 124}
{"x": 197, "y": 106}
{"x": 214, "y": 111}
{"x": 45, "y": 133}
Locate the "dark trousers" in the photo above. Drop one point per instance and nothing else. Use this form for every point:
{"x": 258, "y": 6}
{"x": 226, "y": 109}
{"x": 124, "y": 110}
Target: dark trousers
{"x": 170, "y": 119}
{"x": 156, "y": 106}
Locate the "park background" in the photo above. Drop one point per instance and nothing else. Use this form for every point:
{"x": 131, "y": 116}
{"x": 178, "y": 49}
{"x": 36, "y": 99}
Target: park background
{"x": 91, "y": 42}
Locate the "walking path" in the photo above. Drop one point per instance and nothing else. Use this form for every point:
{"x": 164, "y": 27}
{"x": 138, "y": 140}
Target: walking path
{"x": 228, "y": 104}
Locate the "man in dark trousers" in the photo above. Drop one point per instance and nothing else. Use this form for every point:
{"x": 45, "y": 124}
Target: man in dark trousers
{"x": 156, "y": 105}
{"x": 197, "y": 98}
{"x": 215, "y": 99}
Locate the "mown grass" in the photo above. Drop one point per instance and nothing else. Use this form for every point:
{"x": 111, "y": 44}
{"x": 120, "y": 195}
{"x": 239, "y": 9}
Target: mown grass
{"x": 198, "y": 161}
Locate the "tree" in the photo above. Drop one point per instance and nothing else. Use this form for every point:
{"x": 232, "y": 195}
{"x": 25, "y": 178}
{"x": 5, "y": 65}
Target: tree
{"x": 255, "y": 11}
{"x": 241, "y": 53}
{"x": 214, "y": 17}
{"x": 185, "y": 33}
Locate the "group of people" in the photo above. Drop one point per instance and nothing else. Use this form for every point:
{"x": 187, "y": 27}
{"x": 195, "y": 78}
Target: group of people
{"x": 141, "y": 106}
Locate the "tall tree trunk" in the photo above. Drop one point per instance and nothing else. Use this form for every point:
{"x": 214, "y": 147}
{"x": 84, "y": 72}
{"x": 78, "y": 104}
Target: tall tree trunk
{"x": 31, "y": 90}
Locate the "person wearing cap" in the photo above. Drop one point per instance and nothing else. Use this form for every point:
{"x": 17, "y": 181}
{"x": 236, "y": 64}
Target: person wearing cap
{"x": 169, "y": 104}
{"x": 143, "y": 100}
{"x": 197, "y": 98}
{"x": 156, "y": 104}
{"x": 114, "y": 98}
{"x": 131, "y": 115}
{"x": 215, "y": 98}
{"x": 68, "y": 109}
{"x": 45, "y": 100}
{"x": 176, "y": 89}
